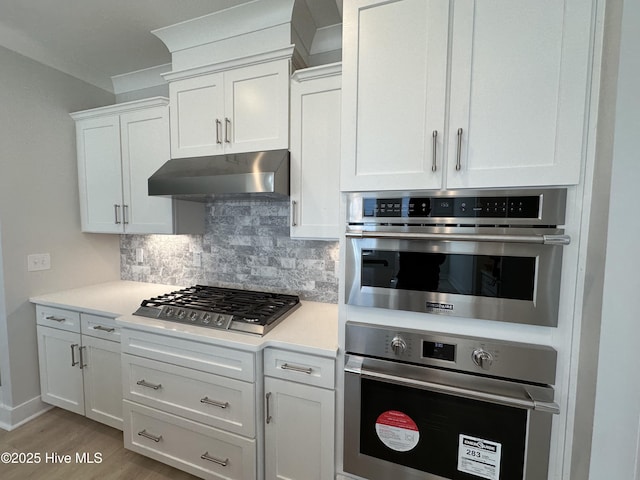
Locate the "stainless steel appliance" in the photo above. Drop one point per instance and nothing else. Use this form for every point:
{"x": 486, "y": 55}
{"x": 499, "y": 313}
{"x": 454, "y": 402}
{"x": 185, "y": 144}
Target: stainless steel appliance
{"x": 223, "y": 308}
{"x": 427, "y": 406}
{"x": 486, "y": 254}
{"x": 262, "y": 174}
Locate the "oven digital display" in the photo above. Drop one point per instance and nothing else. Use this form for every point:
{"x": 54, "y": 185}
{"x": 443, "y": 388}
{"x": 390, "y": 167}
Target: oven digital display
{"x": 439, "y": 351}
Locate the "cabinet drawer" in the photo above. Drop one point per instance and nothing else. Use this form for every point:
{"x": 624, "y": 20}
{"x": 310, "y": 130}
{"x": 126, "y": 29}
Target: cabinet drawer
{"x": 300, "y": 367}
{"x": 100, "y": 327}
{"x": 191, "y": 354}
{"x": 217, "y": 401}
{"x": 58, "y": 318}
{"x": 183, "y": 444}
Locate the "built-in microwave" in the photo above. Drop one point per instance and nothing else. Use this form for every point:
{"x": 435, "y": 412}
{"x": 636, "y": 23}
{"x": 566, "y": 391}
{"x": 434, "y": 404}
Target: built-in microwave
{"x": 493, "y": 255}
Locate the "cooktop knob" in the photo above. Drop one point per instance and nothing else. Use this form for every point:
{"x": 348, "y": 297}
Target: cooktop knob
{"x": 482, "y": 358}
{"x": 398, "y": 345}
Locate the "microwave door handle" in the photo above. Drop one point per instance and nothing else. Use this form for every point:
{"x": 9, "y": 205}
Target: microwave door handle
{"x": 466, "y": 237}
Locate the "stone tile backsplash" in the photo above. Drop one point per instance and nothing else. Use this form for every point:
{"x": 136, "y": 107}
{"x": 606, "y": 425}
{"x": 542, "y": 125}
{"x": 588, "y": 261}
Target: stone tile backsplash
{"x": 246, "y": 245}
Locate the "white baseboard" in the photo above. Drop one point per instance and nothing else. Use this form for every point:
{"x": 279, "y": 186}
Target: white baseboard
{"x": 13, "y": 417}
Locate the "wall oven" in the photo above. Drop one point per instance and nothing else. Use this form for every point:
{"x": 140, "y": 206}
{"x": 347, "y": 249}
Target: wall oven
{"x": 426, "y": 406}
{"x": 485, "y": 254}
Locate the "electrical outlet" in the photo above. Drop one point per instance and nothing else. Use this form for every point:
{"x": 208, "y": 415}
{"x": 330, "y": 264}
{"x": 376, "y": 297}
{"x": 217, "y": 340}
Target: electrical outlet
{"x": 197, "y": 259}
{"x": 38, "y": 261}
{"x": 139, "y": 255}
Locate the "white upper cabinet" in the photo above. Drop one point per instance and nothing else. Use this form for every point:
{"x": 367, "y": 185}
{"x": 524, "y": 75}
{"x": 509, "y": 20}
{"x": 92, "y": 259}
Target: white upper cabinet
{"x": 315, "y": 152}
{"x": 119, "y": 148}
{"x": 197, "y": 113}
{"x": 238, "y": 110}
{"x": 511, "y": 114}
{"x": 394, "y": 83}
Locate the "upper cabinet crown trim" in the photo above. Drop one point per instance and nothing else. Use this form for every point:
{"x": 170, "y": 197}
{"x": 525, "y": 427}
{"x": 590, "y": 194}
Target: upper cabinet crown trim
{"x": 329, "y": 70}
{"x": 119, "y": 108}
{"x": 264, "y": 57}
{"x": 240, "y": 20}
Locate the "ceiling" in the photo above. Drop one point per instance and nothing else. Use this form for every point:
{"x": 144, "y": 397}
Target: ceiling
{"x": 96, "y": 39}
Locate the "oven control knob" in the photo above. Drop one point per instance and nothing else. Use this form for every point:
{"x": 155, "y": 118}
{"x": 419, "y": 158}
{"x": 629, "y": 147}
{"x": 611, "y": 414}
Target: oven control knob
{"x": 398, "y": 345}
{"x": 482, "y": 358}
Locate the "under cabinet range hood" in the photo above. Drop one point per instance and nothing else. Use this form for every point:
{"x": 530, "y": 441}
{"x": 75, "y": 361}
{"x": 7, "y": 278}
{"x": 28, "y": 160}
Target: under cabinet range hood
{"x": 198, "y": 178}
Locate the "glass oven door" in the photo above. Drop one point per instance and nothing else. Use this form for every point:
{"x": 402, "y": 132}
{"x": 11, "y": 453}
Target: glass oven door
{"x": 514, "y": 282}
{"x": 446, "y": 425}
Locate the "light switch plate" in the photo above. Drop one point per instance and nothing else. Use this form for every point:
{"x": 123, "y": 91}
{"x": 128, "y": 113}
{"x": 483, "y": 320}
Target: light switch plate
{"x": 38, "y": 261}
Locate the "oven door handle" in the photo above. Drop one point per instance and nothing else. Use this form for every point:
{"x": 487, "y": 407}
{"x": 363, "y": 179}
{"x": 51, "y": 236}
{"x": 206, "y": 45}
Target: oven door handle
{"x": 528, "y": 403}
{"x": 464, "y": 237}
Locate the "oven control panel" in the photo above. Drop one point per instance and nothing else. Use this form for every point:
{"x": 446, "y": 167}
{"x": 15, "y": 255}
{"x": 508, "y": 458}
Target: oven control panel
{"x": 459, "y": 207}
{"x": 534, "y": 363}
{"x": 482, "y": 207}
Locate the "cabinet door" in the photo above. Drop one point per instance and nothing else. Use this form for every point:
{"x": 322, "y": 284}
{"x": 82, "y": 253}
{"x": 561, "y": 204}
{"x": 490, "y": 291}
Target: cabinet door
{"x": 196, "y": 115}
{"x": 99, "y": 174}
{"x": 394, "y": 87}
{"x": 257, "y": 107}
{"x": 519, "y": 83}
{"x": 60, "y": 374}
{"x": 102, "y": 380}
{"x": 145, "y": 148}
{"x": 315, "y": 157}
{"x": 299, "y": 434}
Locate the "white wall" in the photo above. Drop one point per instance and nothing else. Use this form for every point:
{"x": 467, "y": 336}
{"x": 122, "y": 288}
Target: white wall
{"x": 616, "y": 432}
{"x": 39, "y": 208}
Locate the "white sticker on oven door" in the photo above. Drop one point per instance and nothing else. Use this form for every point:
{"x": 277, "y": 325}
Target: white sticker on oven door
{"x": 479, "y": 457}
{"x": 397, "y": 431}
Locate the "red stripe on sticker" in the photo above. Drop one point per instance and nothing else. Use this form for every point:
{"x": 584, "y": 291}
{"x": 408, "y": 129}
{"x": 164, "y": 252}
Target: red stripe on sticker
{"x": 394, "y": 418}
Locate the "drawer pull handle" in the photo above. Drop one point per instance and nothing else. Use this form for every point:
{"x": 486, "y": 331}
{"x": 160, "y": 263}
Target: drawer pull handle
{"x": 142, "y": 383}
{"x": 206, "y": 456}
{"x": 208, "y": 401}
{"x": 54, "y": 318}
{"x": 286, "y": 366}
{"x": 144, "y": 434}
{"x": 104, "y": 329}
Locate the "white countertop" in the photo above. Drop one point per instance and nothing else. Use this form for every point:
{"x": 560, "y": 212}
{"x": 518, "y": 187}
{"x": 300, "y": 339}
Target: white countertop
{"x": 312, "y": 328}
{"x": 110, "y": 299}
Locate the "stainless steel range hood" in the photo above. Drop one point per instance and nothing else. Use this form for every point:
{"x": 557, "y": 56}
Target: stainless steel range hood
{"x": 198, "y": 178}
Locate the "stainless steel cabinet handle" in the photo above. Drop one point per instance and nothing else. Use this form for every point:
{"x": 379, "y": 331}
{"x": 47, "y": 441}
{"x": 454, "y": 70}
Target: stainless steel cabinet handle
{"x": 125, "y": 214}
{"x": 104, "y": 329}
{"x": 227, "y": 130}
{"x": 434, "y": 164}
{"x": 268, "y": 415}
{"x": 208, "y": 401}
{"x": 55, "y": 319}
{"x": 294, "y": 208}
{"x": 116, "y": 209}
{"x": 218, "y": 131}
{"x": 73, "y": 355}
{"x": 286, "y": 366}
{"x": 142, "y": 383}
{"x": 206, "y": 456}
{"x": 459, "y": 152}
{"x": 82, "y": 364}
{"x": 144, "y": 434}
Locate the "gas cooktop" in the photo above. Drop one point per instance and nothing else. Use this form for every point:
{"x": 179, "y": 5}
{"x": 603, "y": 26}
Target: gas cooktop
{"x": 222, "y": 308}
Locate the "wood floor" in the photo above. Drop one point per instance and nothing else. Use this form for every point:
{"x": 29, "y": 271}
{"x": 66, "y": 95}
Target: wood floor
{"x": 65, "y": 433}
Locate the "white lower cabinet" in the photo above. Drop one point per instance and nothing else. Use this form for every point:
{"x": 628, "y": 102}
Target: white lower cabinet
{"x": 299, "y": 416}
{"x": 79, "y": 358}
{"x": 190, "y": 446}
{"x": 60, "y": 376}
{"x": 191, "y": 405}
